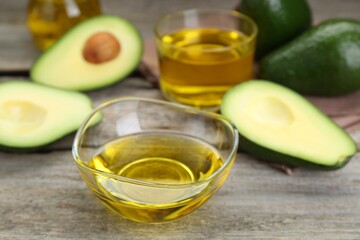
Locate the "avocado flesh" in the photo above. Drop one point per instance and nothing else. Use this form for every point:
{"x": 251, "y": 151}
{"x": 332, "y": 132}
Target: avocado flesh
{"x": 323, "y": 61}
{"x": 279, "y": 21}
{"x": 64, "y": 66}
{"x": 32, "y": 115}
{"x": 277, "y": 124}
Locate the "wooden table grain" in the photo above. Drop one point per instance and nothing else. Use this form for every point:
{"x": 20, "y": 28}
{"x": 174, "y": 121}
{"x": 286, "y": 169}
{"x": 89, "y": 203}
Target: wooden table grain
{"x": 42, "y": 195}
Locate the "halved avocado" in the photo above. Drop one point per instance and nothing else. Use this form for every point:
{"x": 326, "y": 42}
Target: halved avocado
{"x": 95, "y": 53}
{"x": 33, "y": 115}
{"x": 279, "y": 125}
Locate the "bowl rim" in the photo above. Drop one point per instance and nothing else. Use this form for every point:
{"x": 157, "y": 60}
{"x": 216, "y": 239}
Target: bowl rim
{"x": 193, "y": 11}
{"x": 191, "y": 110}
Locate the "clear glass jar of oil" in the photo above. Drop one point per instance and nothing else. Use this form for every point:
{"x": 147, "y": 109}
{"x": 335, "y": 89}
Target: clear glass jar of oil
{"x": 48, "y": 20}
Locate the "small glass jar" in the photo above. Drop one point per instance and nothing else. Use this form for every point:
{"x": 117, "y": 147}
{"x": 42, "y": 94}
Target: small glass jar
{"x": 48, "y": 20}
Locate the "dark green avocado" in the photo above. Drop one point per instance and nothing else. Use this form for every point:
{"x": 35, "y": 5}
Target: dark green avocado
{"x": 278, "y": 125}
{"x": 278, "y": 21}
{"x": 322, "y": 61}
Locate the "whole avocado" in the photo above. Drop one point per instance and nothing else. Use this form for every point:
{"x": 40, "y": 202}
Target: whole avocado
{"x": 278, "y": 21}
{"x": 322, "y": 61}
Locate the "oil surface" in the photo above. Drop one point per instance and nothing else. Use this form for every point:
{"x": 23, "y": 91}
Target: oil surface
{"x": 50, "y": 19}
{"x": 154, "y": 158}
{"x": 199, "y": 65}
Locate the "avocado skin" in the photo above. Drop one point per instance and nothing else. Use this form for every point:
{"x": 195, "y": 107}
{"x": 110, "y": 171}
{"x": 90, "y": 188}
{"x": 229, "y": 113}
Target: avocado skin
{"x": 43, "y": 148}
{"x": 322, "y": 61}
{"x": 278, "y": 21}
{"x": 269, "y": 155}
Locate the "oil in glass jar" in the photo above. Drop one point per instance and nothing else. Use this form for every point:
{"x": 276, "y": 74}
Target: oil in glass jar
{"x": 48, "y": 20}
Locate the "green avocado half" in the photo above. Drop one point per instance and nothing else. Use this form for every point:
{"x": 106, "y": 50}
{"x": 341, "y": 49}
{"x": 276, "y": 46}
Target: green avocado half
{"x": 95, "y": 53}
{"x": 279, "y": 125}
{"x": 33, "y": 115}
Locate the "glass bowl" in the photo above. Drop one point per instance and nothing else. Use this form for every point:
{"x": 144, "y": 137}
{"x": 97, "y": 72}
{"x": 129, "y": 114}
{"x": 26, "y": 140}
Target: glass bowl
{"x": 154, "y": 161}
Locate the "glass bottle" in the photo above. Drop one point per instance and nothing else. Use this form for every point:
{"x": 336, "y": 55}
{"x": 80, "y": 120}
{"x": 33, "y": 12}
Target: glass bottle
{"x": 48, "y": 20}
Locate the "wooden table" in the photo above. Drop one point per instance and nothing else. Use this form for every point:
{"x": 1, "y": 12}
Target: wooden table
{"x": 43, "y": 197}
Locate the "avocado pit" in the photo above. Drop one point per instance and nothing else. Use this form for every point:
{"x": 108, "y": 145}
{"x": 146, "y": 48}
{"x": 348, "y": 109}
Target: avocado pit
{"x": 101, "y": 47}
